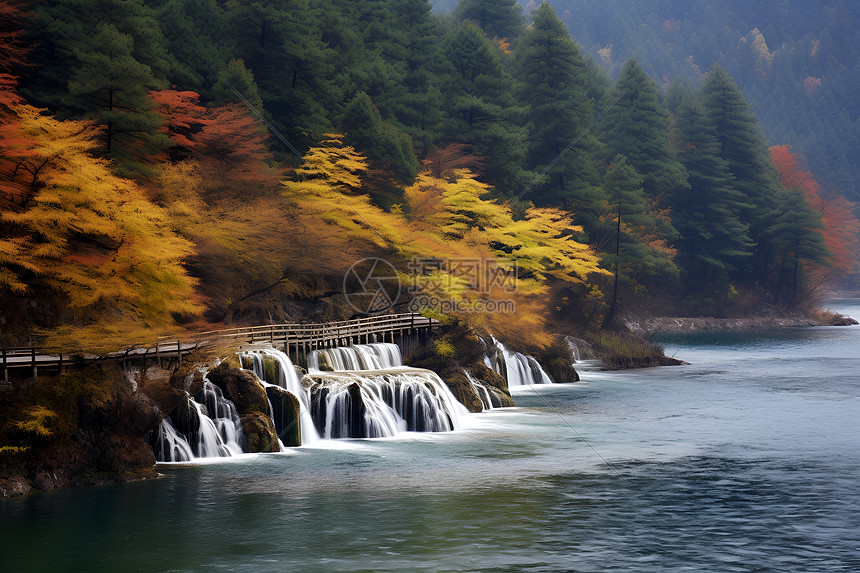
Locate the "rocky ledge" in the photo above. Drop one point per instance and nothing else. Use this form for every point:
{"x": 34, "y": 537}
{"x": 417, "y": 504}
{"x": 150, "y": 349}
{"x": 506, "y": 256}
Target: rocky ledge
{"x": 679, "y": 325}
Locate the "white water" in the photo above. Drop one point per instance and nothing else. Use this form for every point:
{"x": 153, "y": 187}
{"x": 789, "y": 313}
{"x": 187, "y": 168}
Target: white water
{"x": 480, "y": 390}
{"x": 288, "y": 379}
{"x": 519, "y": 370}
{"x": 215, "y": 423}
{"x": 395, "y": 400}
{"x": 172, "y": 446}
{"x": 376, "y": 356}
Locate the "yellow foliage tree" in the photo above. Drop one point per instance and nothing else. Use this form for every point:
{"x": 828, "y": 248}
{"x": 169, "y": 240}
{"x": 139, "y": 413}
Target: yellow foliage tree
{"x": 95, "y": 239}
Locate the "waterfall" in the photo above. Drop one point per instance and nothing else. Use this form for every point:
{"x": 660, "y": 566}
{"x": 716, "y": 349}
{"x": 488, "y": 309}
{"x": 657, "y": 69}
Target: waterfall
{"x": 382, "y": 403}
{"x": 279, "y": 371}
{"x": 170, "y": 446}
{"x": 206, "y": 426}
{"x": 517, "y": 368}
{"x": 481, "y": 390}
{"x": 376, "y": 356}
{"x": 370, "y": 394}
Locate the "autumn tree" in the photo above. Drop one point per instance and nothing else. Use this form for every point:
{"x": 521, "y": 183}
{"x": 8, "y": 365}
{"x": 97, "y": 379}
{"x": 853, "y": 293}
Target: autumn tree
{"x": 841, "y": 229}
{"x": 109, "y": 256}
{"x": 227, "y": 141}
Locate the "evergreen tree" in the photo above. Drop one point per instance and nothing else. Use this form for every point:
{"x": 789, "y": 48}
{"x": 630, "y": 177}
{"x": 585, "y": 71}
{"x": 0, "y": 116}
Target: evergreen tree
{"x": 500, "y": 19}
{"x": 637, "y": 126}
{"x": 553, "y": 84}
{"x": 741, "y": 144}
{"x": 635, "y": 251}
{"x": 798, "y": 244}
{"x": 388, "y": 150}
{"x": 480, "y": 107}
{"x": 100, "y": 59}
{"x": 281, "y": 43}
{"x": 194, "y": 31}
{"x": 713, "y": 241}
{"x": 113, "y": 87}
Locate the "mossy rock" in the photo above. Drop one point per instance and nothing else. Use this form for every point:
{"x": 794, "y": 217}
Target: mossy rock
{"x": 561, "y": 371}
{"x": 464, "y": 392}
{"x": 324, "y": 365}
{"x": 260, "y": 435}
{"x": 242, "y": 387}
{"x": 497, "y": 386}
{"x": 286, "y": 411}
{"x": 271, "y": 369}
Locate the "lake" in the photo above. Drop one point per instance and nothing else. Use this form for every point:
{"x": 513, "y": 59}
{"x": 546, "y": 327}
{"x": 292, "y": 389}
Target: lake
{"x": 748, "y": 459}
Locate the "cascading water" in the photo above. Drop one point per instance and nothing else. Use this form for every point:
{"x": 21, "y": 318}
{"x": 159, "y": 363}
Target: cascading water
{"x": 368, "y": 393}
{"x": 382, "y": 403}
{"x": 376, "y": 356}
{"x": 206, "y": 426}
{"x": 273, "y": 367}
{"x": 517, "y": 368}
{"x": 482, "y": 392}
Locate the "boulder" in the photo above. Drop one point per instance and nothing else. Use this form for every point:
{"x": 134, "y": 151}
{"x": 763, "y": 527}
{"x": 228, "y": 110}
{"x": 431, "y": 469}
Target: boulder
{"x": 561, "y": 371}
{"x": 497, "y": 386}
{"x": 464, "y": 392}
{"x": 260, "y": 435}
{"x": 286, "y": 413}
{"x": 242, "y": 387}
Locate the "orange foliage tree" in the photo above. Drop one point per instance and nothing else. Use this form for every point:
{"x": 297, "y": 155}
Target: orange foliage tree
{"x": 107, "y": 254}
{"x": 841, "y": 228}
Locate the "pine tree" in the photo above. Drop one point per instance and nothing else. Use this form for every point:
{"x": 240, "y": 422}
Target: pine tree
{"x": 637, "y": 126}
{"x": 281, "y": 44}
{"x": 480, "y": 107}
{"x": 194, "y": 32}
{"x": 99, "y": 59}
{"x": 500, "y": 19}
{"x": 635, "y": 250}
{"x": 553, "y": 84}
{"x": 714, "y": 242}
{"x": 379, "y": 141}
{"x": 112, "y": 87}
{"x": 743, "y": 147}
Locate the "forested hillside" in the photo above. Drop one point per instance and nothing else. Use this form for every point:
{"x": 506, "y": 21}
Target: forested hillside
{"x": 179, "y": 164}
{"x": 795, "y": 61}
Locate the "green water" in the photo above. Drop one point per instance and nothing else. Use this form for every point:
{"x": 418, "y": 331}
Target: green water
{"x": 746, "y": 460}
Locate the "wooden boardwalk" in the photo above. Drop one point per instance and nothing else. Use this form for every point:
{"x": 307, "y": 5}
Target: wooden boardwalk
{"x": 296, "y": 340}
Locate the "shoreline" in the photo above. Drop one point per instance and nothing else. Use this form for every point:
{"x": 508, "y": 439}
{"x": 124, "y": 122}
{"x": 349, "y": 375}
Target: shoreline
{"x": 681, "y": 325}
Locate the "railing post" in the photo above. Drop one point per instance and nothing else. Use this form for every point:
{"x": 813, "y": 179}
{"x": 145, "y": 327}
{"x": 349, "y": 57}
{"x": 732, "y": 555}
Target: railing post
{"x": 35, "y": 368}
{"x": 5, "y": 371}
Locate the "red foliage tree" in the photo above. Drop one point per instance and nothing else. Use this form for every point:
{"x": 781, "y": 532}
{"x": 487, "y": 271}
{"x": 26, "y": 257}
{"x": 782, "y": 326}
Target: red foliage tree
{"x": 228, "y": 143}
{"x": 841, "y": 228}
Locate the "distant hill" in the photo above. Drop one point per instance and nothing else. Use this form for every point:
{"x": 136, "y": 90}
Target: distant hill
{"x": 796, "y": 62}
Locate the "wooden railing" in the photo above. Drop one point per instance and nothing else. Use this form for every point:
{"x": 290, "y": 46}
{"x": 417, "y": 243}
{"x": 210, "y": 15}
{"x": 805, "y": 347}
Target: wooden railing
{"x": 295, "y": 339}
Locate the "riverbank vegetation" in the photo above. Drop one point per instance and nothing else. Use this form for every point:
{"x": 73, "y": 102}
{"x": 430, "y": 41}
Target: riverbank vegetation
{"x": 179, "y": 165}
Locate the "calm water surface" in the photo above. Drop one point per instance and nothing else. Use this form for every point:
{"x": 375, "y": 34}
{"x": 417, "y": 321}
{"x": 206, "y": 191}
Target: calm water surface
{"x": 746, "y": 460}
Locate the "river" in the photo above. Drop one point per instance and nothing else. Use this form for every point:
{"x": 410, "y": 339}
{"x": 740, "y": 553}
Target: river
{"x": 748, "y": 459}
